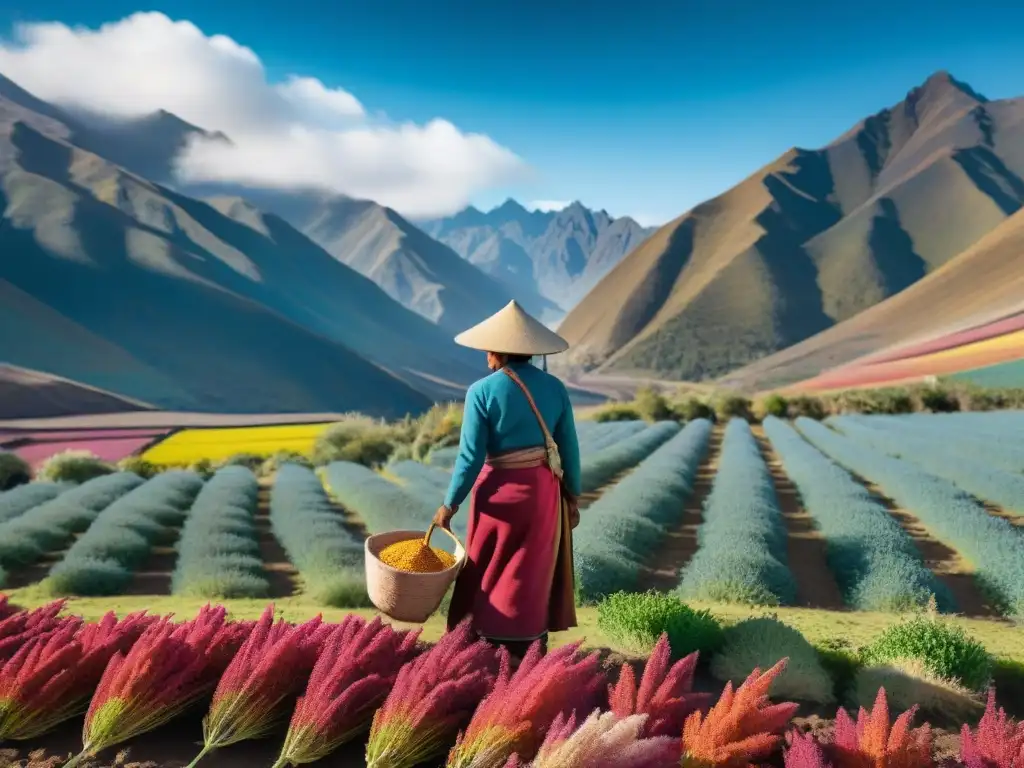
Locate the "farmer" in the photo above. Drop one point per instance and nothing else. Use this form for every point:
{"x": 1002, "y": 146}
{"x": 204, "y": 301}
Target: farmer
{"x": 519, "y": 462}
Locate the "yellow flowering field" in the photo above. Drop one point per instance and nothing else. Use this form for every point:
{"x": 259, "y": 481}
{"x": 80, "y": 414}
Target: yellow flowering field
{"x": 191, "y": 445}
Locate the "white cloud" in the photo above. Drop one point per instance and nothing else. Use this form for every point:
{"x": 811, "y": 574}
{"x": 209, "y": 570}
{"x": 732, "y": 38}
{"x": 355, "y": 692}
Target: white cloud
{"x": 649, "y": 221}
{"x": 296, "y": 133}
{"x": 548, "y": 205}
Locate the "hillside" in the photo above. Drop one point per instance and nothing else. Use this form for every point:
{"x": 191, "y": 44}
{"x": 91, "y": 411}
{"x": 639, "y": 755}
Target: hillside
{"x": 983, "y": 283}
{"x": 34, "y": 395}
{"x": 559, "y": 254}
{"x": 129, "y": 286}
{"x": 810, "y": 240}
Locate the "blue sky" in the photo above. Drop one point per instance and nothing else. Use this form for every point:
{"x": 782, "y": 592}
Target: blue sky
{"x": 643, "y": 108}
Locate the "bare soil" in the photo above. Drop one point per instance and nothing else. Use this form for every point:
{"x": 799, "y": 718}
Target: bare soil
{"x": 154, "y": 577}
{"x": 680, "y": 544}
{"x": 996, "y": 511}
{"x": 805, "y": 546}
{"x": 280, "y": 573}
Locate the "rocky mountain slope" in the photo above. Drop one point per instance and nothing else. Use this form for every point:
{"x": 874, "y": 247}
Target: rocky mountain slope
{"x": 810, "y": 240}
{"x": 124, "y": 284}
{"x": 560, "y": 255}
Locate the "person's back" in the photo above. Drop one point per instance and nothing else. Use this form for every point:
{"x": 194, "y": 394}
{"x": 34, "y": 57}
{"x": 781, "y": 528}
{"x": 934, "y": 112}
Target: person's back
{"x": 498, "y": 419}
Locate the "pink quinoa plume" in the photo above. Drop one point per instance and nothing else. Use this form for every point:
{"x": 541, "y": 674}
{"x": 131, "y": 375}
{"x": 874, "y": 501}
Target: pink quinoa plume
{"x": 997, "y": 742}
{"x": 665, "y": 693}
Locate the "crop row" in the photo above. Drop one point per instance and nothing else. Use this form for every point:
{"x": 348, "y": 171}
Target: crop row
{"x": 20, "y": 500}
{"x": 996, "y": 443}
{"x": 52, "y": 525}
{"x": 741, "y": 555}
{"x": 943, "y": 458}
{"x": 119, "y": 540}
{"x": 602, "y": 466}
{"x": 420, "y": 480}
{"x": 218, "y": 551}
{"x": 618, "y": 531}
{"x": 383, "y": 505}
{"x": 601, "y": 436}
{"x": 875, "y": 562}
{"x": 328, "y": 556}
{"x": 991, "y": 544}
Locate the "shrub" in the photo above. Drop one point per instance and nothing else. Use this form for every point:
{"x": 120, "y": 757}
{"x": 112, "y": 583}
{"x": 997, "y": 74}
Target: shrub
{"x": 693, "y": 408}
{"x": 944, "y": 650}
{"x": 328, "y": 557}
{"x": 804, "y": 405}
{"x": 51, "y": 526}
{"x": 203, "y": 467}
{"x": 14, "y": 471}
{"x": 271, "y": 464}
{"x": 603, "y": 466}
{"x": 936, "y": 399}
{"x": 616, "y": 412}
{"x": 218, "y": 552}
{"x": 251, "y": 461}
{"x": 102, "y": 560}
{"x": 993, "y": 544}
{"x": 773, "y": 405}
{"x": 20, "y": 500}
{"x": 888, "y": 400}
{"x": 73, "y": 466}
{"x": 138, "y": 465}
{"x": 875, "y": 562}
{"x": 635, "y": 621}
{"x": 731, "y": 406}
{"x": 357, "y": 439}
{"x": 652, "y": 405}
{"x": 758, "y": 643}
{"x": 742, "y": 542}
{"x": 439, "y": 427}
{"x": 617, "y": 532}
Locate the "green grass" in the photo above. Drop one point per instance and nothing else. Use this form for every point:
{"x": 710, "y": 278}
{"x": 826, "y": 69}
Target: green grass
{"x": 1004, "y": 640}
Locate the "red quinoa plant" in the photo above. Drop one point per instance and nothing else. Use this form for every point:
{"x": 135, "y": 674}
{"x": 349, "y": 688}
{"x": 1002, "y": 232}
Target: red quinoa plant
{"x": 997, "y": 742}
{"x": 20, "y": 627}
{"x": 516, "y": 715}
{"x": 170, "y": 668}
{"x": 740, "y": 729}
{"x": 665, "y": 693}
{"x": 269, "y": 669}
{"x": 433, "y": 697}
{"x": 51, "y": 678}
{"x": 870, "y": 742}
{"x": 356, "y": 669}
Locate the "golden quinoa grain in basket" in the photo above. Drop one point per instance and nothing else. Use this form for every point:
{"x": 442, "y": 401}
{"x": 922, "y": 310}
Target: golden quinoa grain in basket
{"x": 414, "y": 556}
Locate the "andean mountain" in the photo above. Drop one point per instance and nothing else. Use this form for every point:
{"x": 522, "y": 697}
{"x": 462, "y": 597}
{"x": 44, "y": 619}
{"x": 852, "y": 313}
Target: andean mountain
{"x": 810, "y": 241}
{"x": 129, "y": 286}
{"x": 560, "y": 255}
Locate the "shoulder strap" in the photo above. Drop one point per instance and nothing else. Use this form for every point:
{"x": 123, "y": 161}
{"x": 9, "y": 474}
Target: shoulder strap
{"x": 554, "y": 459}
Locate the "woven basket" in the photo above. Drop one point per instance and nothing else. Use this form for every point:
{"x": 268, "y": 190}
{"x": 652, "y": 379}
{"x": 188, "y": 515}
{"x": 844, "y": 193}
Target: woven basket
{"x": 401, "y": 595}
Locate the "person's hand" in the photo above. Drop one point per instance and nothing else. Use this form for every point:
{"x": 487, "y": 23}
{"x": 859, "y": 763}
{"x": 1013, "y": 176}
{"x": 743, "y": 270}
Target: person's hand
{"x": 443, "y": 517}
{"x": 574, "y": 516}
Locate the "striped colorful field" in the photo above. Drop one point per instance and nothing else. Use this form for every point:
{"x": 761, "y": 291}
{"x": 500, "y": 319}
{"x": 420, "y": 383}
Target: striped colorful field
{"x": 951, "y": 357}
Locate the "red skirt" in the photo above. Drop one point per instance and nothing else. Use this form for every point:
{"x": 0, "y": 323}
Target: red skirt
{"x": 517, "y": 582}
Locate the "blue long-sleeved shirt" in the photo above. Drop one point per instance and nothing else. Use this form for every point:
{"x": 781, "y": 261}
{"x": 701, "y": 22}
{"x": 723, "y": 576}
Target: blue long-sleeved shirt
{"x": 499, "y": 419}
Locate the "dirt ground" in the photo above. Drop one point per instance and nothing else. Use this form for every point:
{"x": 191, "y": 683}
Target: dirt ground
{"x": 680, "y": 544}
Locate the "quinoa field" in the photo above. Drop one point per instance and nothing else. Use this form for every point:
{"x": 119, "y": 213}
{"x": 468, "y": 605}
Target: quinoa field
{"x": 881, "y": 551}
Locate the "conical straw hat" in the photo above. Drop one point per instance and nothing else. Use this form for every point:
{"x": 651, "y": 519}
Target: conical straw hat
{"x": 512, "y": 332}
